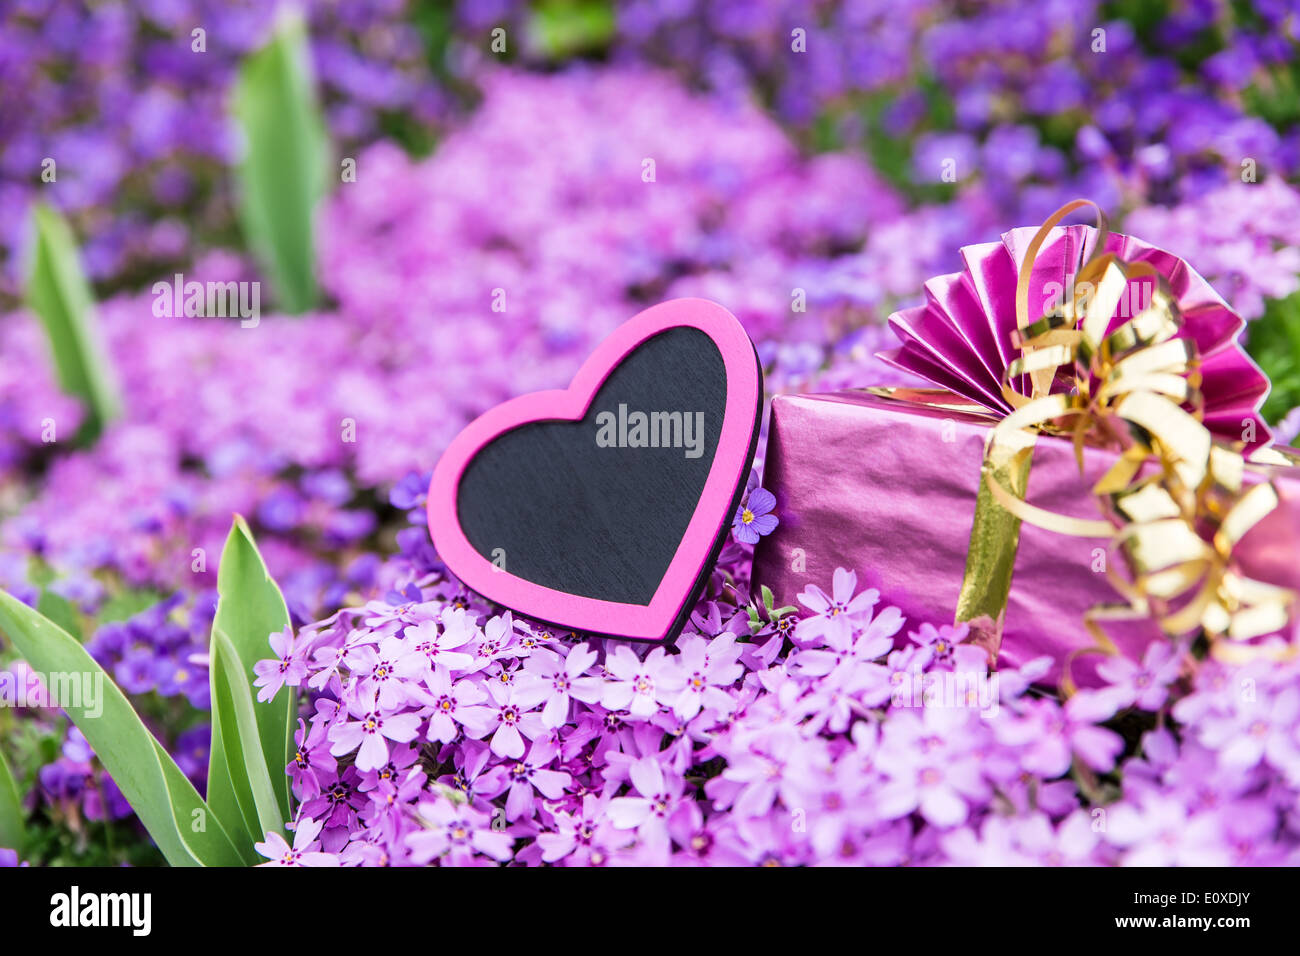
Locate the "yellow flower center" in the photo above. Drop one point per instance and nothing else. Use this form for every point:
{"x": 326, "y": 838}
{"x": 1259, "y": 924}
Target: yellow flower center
{"x": 747, "y": 516}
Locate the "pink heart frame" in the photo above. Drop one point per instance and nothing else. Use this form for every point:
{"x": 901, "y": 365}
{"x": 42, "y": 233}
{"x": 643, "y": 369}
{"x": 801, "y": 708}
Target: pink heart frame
{"x": 662, "y": 617}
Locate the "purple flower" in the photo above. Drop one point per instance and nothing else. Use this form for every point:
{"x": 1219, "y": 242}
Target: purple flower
{"x": 1257, "y": 727}
{"x": 554, "y": 680}
{"x": 1028, "y": 841}
{"x": 706, "y": 669}
{"x": 1051, "y": 735}
{"x": 302, "y": 853}
{"x": 431, "y": 647}
{"x": 835, "y": 614}
{"x": 658, "y": 802}
{"x": 311, "y": 759}
{"x": 338, "y": 801}
{"x": 506, "y": 718}
{"x": 137, "y": 671}
{"x": 945, "y": 644}
{"x": 640, "y": 686}
{"x": 452, "y": 702}
{"x": 288, "y": 667}
{"x": 930, "y": 767}
{"x": 369, "y": 732}
{"x": 457, "y": 834}
{"x": 478, "y": 781}
{"x": 754, "y": 517}
{"x": 1144, "y": 685}
{"x": 1161, "y": 831}
{"x": 380, "y": 670}
{"x": 760, "y": 772}
{"x": 409, "y": 493}
{"x": 530, "y": 775}
{"x": 585, "y": 837}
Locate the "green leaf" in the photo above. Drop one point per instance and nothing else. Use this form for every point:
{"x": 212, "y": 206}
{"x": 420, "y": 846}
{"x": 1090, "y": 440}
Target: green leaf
{"x": 182, "y": 825}
{"x": 1274, "y": 342}
{"x": 269, "y": 818}
{"x": 12, "y": 817}
{"x": 566, "y": 28}
{"x": 126, "y": 604}
{"x": 283, "y": 169}
{"x": 229, "y": 794}
{"x": 249, "y": 609}
{"x": 59, "y": 293}
{"x": 59, "y": 610}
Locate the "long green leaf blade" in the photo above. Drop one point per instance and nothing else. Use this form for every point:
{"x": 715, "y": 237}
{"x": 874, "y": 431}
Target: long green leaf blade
{"x": 229, "y": 794}
{"x": 250, "y": 608}
{"x": 12, "y": 816}
{"x": 166, "y": 802}
{"x": 60, "y": 295}
{"x": 259, "y": 780}
{"x": 283, "y": 168}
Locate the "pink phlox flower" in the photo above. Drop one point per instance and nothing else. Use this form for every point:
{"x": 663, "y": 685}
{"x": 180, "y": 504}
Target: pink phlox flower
{"x": 1255, "y": 727}
{"x": 1049, "y": 735}
{"x": 505, "y": 718}
{"x": 834, "y": 615}
{"x": 475, "y": 779}
{"x": 378, "y": 668}
{"x": 451, "y": 703}
{"x": 369, "y": 731}
{"x": 531, "y": 775}
{"x": 1144, "y": 685}
{"x": 931, "y": 761}
{"x": 946, "y": 643}
{"x": 457, "y": 834}
{"x": 585, "y": 837}
{"x": 658, "y": 799}
{"x": 311, "y": 758}
{"x": 431, "y": 646}
{"x": 304, "y": 851}
{"x": 499, "y": 637}
{"x": 288, "y": 667}
{"x": 552, "y": 680}
{"x": 707, "y": 669}
{"x": 640, "y": 686}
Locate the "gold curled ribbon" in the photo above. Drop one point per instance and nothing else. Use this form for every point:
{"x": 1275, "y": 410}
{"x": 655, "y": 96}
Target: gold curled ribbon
{"x": 1174, "y": 502}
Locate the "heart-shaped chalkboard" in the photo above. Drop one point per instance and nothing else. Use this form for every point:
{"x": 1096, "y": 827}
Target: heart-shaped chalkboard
{"x": 603, "y": 506}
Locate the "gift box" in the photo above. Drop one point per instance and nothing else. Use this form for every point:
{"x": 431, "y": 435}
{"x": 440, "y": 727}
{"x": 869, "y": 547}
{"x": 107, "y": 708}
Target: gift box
{"x": 1125, "y": 417}
{"x": 888, "y": 488}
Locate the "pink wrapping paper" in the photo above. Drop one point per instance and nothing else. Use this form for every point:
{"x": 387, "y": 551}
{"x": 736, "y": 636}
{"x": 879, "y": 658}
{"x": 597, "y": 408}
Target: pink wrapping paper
{"x": 888, "y": 490}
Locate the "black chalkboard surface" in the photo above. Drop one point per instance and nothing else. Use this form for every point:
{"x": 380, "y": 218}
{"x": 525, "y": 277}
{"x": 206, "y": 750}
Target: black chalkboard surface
{"x": 589, "y": 510}
{"x": 601, "y": 522}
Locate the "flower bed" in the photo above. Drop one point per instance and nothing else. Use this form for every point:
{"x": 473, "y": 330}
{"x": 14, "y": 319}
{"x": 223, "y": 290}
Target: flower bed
{"x": 806, "y": 195}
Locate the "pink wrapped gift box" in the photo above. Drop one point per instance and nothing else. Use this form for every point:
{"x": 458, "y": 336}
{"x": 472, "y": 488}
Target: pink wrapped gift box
{"x": 887, "y": 489}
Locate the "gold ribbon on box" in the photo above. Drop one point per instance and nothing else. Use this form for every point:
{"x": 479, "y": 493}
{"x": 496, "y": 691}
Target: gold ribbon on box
{"x": 1175, "y": 500}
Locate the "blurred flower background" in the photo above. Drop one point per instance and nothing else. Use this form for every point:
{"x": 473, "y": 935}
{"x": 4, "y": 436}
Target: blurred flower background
{"x": 506, "y": 182}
